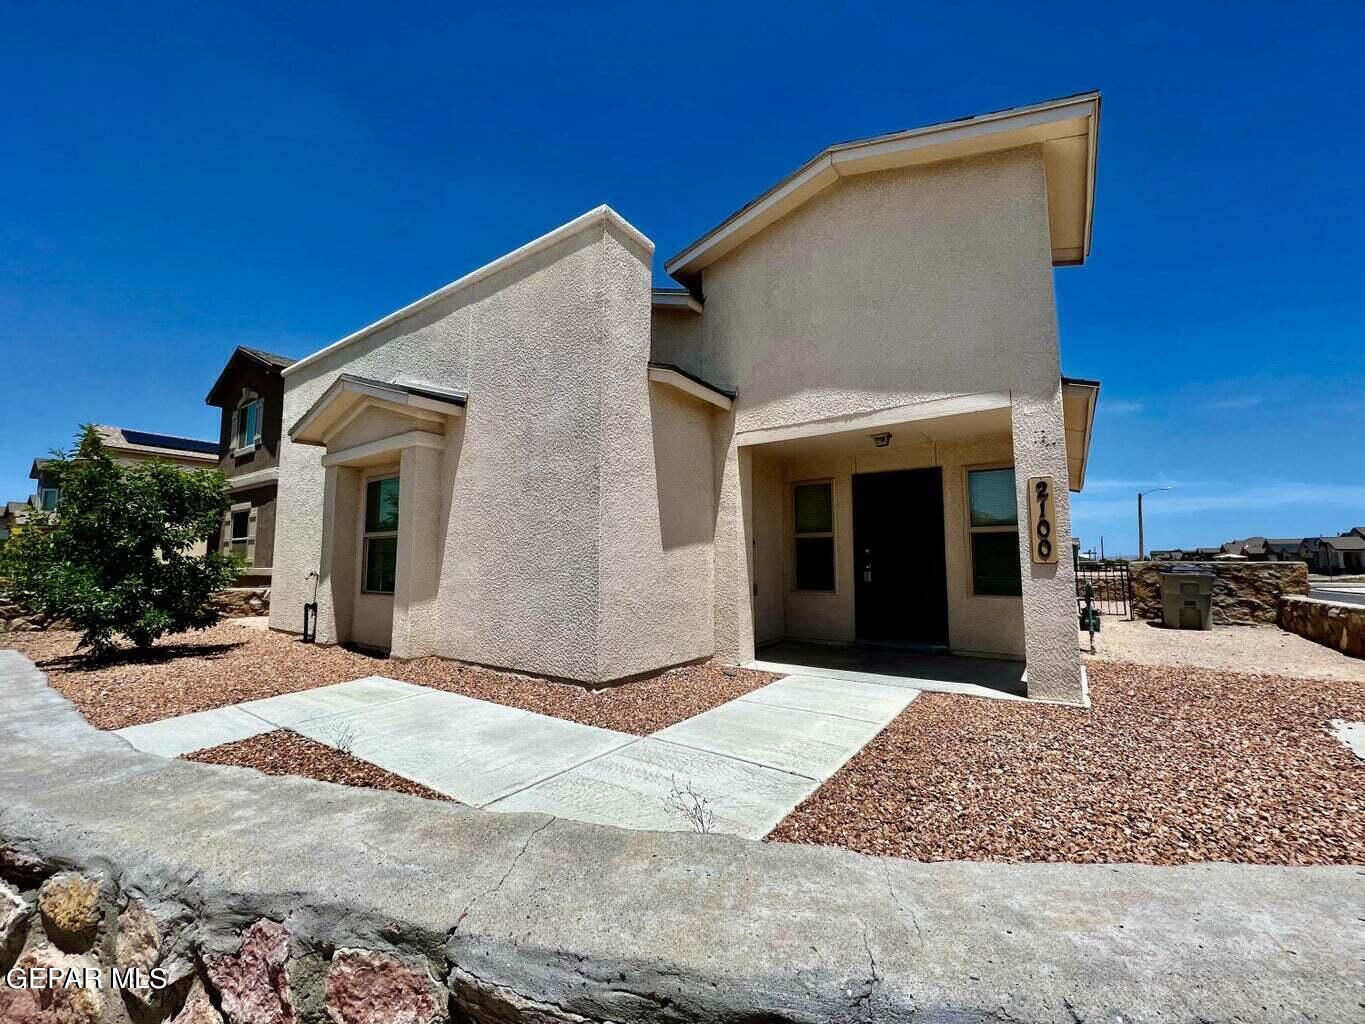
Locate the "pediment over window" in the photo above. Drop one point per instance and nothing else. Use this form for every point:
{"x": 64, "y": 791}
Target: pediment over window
{"x": 356, "y": 408}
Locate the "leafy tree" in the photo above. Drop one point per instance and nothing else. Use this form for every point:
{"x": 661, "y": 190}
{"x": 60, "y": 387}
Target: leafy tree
{"x": 114, "y": 557}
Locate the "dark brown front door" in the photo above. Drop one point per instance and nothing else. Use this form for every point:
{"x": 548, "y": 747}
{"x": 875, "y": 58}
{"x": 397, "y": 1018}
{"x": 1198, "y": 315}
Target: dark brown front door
{"x": 900, "y": 576}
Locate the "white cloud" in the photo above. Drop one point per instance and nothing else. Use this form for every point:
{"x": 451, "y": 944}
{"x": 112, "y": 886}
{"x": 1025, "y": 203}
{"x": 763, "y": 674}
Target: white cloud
{"x": 1120, "y": 484}
{"x": 1268, "y": 495}
{"x": 1240, "y": 402}
{"x": 1120, "y": 406}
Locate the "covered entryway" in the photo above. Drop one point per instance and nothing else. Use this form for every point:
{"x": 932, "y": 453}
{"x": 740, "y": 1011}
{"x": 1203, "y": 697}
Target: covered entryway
{"x": 900, "y": 579}
{"x": 863, "y": 536}
{"x": 385, "y": 443}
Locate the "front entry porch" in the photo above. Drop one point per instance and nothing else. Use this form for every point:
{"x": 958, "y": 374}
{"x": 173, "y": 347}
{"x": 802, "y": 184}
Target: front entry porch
{"x": 888, "y": 545}
{"x": 997, "y": 678}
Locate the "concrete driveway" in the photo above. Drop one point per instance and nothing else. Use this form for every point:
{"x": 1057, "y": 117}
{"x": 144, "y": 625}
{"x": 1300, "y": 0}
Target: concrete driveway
{"x": 752, "y": 760}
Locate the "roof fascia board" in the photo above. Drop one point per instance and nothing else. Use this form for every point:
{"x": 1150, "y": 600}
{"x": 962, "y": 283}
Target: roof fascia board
{"x": 673, "y": 378}
{"x": 1091, "y": 391}
{"x": 600, "y": 215}
{"x": 674, "y": 300}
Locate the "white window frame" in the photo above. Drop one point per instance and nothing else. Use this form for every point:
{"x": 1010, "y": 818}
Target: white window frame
{"x": 367, "y": 535}
{"x": 967, "y": 472}
{"x": 248, "y": 541}
{"x": 248, "y": 400}
{"x": 831, "y": 533}
{"x": 43, "y": 492}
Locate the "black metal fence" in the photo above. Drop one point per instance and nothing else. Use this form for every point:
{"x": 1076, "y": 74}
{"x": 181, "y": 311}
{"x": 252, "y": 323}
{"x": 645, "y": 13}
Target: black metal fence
{"x": 1112, "y": 591}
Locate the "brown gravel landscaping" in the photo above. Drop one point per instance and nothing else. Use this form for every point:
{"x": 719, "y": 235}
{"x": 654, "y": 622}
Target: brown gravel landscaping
{"x": 287, "y": 753}
{"x": 1170, "y": 766}
{"x": 229, "y": 664}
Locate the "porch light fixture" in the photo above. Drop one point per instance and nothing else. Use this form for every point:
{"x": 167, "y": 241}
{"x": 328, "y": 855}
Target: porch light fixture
{"x": 881, "y": 440}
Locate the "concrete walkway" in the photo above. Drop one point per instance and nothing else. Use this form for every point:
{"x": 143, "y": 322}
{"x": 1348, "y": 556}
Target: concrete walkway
{"x": 752, "y": 759}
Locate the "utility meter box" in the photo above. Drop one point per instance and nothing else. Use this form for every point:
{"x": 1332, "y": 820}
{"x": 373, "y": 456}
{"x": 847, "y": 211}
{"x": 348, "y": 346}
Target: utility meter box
{"x": 1187, "y": 598}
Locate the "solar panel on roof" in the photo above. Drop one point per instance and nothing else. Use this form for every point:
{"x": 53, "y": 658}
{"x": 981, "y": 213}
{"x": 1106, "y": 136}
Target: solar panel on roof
{"x": 184, "y": 444}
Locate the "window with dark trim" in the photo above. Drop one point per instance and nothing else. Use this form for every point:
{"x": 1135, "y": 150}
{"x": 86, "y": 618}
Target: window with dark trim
{"x": 239, "y": 540}
{"x": 381, "y": 535}
{"x": 814, "y": 519}
{"x": 994, "y": 526}
{"x": 246, "y": 423}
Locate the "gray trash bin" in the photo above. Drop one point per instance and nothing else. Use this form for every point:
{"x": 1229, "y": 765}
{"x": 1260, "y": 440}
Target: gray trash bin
{"x": 1187, "y": 597}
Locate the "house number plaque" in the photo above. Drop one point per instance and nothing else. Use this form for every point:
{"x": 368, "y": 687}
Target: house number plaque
{"x": 1042, "y": 520}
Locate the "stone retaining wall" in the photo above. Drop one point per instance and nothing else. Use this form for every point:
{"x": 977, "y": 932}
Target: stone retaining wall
{"x": 287, "y": 901}
{"x": 1244, "y": 593}
{"x": 1326, "y": 622}
{"x": 234, "y": 603}
{"x": 241, "y": 601}
{"x": 14, "y": 619}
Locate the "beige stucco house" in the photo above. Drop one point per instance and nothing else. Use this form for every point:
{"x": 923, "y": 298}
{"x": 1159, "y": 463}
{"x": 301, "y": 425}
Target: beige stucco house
{"x": 827, "y": 431}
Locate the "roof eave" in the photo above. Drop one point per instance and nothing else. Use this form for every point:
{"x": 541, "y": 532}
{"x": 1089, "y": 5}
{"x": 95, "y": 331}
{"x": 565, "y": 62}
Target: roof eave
{"x": 1002, "y": 130}
{"x": 1089, "y": 390}
{"x": 240, "y": 350}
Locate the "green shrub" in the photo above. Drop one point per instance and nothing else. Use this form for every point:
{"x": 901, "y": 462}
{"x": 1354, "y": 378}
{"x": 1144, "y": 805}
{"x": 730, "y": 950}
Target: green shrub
{"x": 114, "y": 557}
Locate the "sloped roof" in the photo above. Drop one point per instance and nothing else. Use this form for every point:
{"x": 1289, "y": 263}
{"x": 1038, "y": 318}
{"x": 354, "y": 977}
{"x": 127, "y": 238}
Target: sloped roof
{"x": 147, "y": 443}
{"x": 1066, "y": 128}
{"x": 1346, "y": 542}
{"x": 257, "y": 355}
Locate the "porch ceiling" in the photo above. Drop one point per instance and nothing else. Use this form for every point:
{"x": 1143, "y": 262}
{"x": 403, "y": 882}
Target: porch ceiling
{"x": 904, "y": 434}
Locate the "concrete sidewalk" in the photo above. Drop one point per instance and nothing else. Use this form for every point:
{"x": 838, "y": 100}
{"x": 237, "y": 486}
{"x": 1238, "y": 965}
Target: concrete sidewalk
{"x": 752, "y": 759}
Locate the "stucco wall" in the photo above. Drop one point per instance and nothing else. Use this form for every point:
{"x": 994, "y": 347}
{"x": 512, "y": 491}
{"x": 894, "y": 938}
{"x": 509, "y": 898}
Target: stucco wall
{"x": 676, "y": 337}
{"x": 883, "y": 292}
{"x": 657, "y": 513}
{"x": 554, "y": 555}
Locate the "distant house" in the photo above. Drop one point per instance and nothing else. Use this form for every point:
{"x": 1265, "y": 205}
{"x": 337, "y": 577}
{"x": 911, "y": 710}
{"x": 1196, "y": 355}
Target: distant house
{"x": 126, "y": 447}
{"x": 1283, "y": 549}
{"x": 250, "y": 393}
{"x": 1358, "y": 531}
{"x": 1343, "y": 554}
{"x": 1167, "y": 555}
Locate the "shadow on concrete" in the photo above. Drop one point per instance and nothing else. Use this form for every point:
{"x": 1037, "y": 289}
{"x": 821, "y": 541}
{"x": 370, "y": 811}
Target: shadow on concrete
{"x": 894, "y": 664}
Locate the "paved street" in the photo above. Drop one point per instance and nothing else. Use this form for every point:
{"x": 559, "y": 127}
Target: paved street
{"x": 1342, "y": 593}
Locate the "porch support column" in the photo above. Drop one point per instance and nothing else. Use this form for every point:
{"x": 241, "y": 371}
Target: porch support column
{"x": 734, "y": 626}
{"x": 418, "y": 572}
{"x": 337, "y": 565}
{"x": 1050, "y": 644}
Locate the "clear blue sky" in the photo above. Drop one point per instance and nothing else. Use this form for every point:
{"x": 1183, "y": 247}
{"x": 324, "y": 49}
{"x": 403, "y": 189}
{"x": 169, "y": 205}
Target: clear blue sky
{"x": 178, "y": 179}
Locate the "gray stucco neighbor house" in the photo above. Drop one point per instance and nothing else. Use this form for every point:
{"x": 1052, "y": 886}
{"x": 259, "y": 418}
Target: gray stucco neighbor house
{"x": 826, "y": 432}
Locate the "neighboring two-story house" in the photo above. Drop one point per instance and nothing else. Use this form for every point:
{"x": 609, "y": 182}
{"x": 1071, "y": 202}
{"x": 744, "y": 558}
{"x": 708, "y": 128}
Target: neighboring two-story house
{"x": 125, "y": 446}
{"x": 250, "y": 393}
{"x": 837, "y": 428}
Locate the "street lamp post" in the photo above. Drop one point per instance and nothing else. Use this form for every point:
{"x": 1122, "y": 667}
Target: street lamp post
{"x": 1141, "y": 549}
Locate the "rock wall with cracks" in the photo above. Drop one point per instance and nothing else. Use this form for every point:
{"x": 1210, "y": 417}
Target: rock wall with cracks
{"x": 282, "y": 900}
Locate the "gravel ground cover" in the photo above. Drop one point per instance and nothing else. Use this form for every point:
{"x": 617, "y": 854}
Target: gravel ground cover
{"x": 1263, "y": 650}
{"x": 1170, "y": 766}
{"x": 287, "y": 753}
{"x": 228, "y": 664}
